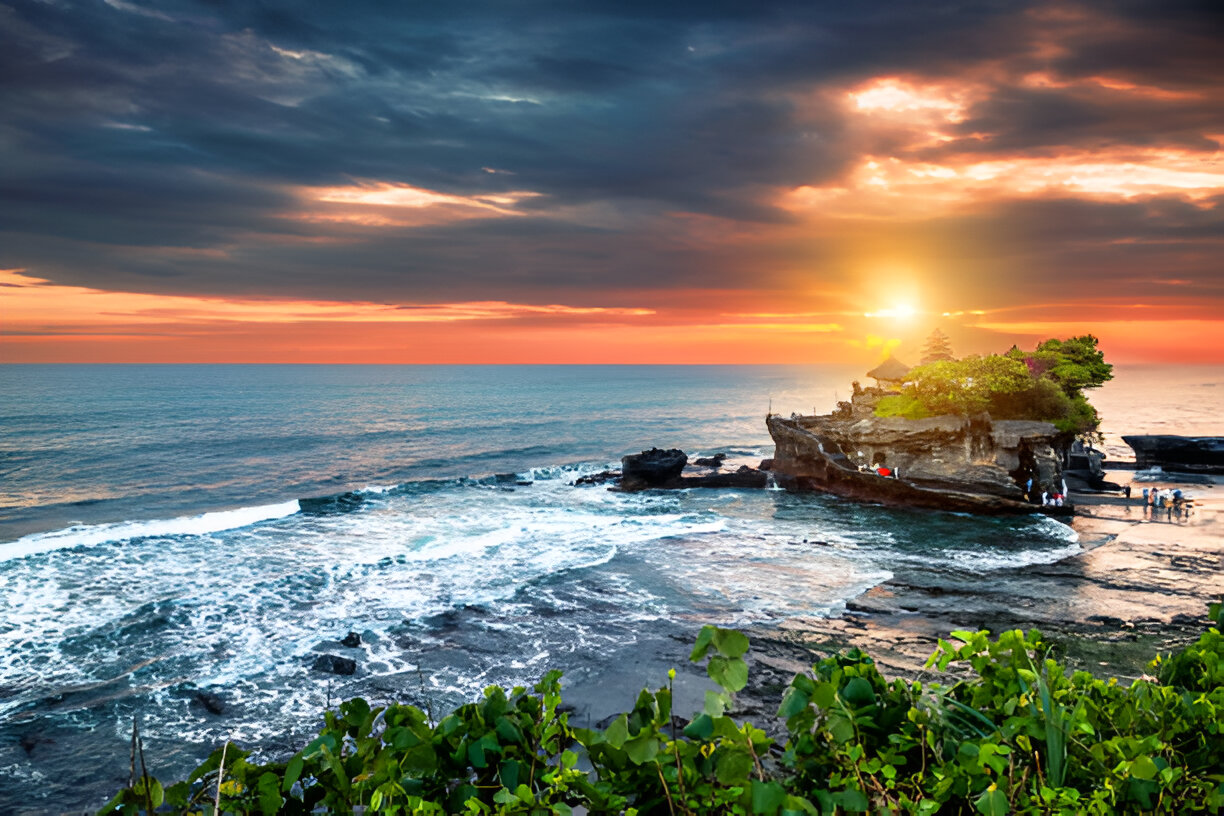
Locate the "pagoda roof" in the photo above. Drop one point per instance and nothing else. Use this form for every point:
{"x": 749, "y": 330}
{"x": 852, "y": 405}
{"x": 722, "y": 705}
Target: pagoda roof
{"x": 890, "y": 369}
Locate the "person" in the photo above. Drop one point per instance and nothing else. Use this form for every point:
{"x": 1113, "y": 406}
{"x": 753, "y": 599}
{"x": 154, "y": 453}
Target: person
{"x": 1126, "y": 491}
{"x": 1146, "y": 497}
{"x": 1045, "y": 498}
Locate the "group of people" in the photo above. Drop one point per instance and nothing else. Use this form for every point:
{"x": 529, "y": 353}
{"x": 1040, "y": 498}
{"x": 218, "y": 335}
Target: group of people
{"x": 1155, "y": 497}
{"x": 1050, "y": 496}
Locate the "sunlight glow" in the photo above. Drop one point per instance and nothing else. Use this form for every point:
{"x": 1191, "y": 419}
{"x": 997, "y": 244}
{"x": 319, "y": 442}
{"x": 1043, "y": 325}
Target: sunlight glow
{"x": 901, "y": 311}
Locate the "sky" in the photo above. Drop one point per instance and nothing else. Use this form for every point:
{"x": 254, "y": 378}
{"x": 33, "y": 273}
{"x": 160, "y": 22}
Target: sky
{"x": 553, "y": 181}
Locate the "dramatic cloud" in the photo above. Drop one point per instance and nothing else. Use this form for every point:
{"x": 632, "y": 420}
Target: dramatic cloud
{"x": 740, "y": 181}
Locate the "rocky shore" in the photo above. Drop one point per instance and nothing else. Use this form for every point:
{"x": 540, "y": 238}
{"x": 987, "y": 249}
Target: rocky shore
{"x": 1141, "y": 586}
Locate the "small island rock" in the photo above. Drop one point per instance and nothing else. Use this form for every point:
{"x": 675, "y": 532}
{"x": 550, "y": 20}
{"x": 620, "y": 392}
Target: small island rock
{"x": 334, "y": 664}
{"x": 651, "y": 468}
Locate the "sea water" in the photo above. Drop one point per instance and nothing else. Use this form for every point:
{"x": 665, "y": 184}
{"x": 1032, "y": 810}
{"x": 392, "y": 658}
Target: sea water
{"x": 175, "y": 533}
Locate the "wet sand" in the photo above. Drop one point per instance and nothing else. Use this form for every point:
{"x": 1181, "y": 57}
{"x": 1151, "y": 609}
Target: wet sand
{"x": 1141, "y": 586}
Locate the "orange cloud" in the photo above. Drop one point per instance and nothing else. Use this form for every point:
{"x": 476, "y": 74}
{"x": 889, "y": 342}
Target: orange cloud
{"x": 34, "y": 304}
{"x": 386, "y": 204}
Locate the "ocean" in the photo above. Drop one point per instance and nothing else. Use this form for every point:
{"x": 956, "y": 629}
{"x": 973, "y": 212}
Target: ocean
{"x": 176, "y": 535}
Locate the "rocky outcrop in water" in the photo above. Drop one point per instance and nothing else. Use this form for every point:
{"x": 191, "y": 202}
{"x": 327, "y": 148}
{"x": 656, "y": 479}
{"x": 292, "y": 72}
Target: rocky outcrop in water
{"x": 334, "y": 664}
{"x": 651, "y": 468}
{"x": 664, "y": 470}
{"x": 969, "y": 464}
{"x": 1202, "y": 454}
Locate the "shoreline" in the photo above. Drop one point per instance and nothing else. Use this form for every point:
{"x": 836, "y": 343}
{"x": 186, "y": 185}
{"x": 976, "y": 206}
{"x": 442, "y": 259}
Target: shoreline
{"x": 1141, "y": 586}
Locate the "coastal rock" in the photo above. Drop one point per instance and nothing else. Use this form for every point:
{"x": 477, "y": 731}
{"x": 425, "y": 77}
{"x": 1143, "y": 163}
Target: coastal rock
{"x": 334, "y": 664}
{"x": 212, "y": 703}
{"x": 766, "y": 464}
{"x": 1203, "y": 454}
{"x": 712, "y": 461}
{"x": 603, "y": 477}
{"x": 745, "y": 477}
{"x": 651, "y": 468}
{"x": 352, "y": 640}
{"x": 967, "y": 464}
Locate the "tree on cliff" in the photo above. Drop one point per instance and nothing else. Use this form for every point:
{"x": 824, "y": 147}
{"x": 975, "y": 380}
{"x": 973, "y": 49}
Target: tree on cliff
{"x": 1047, "y": 384}
{"x": 937, "y": 348}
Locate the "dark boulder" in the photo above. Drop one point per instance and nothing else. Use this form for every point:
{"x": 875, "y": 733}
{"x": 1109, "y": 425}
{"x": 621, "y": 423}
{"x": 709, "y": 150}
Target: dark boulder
{"x": 211, "y": 703}
{"x": 602, "y": 477}
{"x": 712, "y": 461}
{"x": 334, "y": 664}
{"x": 352, "y": 640}
{"x": 651, "y": 468}
{"x": 766, "y": 464}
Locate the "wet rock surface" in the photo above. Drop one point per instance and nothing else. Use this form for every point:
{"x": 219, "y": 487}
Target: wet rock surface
{"x": 1142, "y": 586}
{"x": 334, "y": 664}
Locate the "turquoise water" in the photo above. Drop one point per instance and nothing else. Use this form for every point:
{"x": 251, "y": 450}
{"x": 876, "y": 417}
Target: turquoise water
{"x": 159, "y": 538}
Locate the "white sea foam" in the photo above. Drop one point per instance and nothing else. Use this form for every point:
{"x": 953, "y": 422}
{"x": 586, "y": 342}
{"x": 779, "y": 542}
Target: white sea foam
{"x": 94, "y": 534}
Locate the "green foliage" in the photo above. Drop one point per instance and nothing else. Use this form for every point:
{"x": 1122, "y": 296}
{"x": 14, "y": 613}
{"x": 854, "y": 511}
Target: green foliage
{"x": 1020, "y": 734}
{"x": 1045, "y": 384}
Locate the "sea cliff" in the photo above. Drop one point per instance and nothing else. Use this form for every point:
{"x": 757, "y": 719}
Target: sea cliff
{"x": 969, "y": 464}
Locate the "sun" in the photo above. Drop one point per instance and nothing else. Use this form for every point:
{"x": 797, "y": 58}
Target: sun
{"x": 899, "y": 311}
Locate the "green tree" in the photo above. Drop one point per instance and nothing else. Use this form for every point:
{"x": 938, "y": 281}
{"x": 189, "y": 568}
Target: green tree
{"x": 1047, "y": 384}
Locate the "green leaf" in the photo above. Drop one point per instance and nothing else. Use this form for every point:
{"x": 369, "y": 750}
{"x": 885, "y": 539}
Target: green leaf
{"x": 858, "y": 692}
{"x": 509, "y": 732}
{"x": 824, "y": 695}
{"x": 509, "y": 773}
{"x": 618, "y": 732}
{"x": 270, "y": 799}
{"x": 729, "y": 672}
{"x": 767, "y": 797}
{"x": 292, "y": 772}
{"x": 704, "y": 638}
{"x": 476, "y": 754}
{"x": 730, "y": 643}
{"x": 1143, "y": 768}
{"x": 793, "y": 702}
{"x": 992, "y": 802}
{"x": 642, "y": 748}
{"x": 154, "y": 788}
{"x": 715, "y": 704}
{"x": 700, "y": 728}
{"x": 178, "y": 794}
{"x": 733, "y": 767}
{"x": 852, "y": 800}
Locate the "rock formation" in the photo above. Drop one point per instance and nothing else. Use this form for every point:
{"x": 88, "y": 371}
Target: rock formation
{"x": 951, "y": 462}
{"x": 651, "y": 468}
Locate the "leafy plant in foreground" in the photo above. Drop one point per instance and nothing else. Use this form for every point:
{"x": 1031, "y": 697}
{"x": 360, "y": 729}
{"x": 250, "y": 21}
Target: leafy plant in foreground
{"x": 1019, "y": 734}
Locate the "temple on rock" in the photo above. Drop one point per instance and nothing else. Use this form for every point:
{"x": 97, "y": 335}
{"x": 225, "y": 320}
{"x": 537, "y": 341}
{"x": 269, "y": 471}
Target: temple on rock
{"x": 954, "y": 462}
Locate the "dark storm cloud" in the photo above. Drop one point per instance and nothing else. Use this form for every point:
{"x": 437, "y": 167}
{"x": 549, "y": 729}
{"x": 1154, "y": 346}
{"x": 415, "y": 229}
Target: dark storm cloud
{"x": 157, "y": 146}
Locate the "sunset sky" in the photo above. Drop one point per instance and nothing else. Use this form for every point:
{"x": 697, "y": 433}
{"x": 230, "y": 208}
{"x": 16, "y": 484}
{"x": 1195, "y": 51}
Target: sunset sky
{"x": 599, "y": 182}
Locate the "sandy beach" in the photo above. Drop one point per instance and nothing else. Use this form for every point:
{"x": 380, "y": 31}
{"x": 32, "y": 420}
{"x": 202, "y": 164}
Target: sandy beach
{"x": 1141, "y": 586}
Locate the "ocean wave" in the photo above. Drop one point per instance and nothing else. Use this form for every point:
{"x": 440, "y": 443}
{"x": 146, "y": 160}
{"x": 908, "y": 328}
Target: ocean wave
{"x": 95, "y": 534}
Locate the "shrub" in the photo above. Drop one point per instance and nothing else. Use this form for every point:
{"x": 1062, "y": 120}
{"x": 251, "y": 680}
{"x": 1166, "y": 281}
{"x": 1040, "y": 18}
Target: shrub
{"x": 1020, "y": 734}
